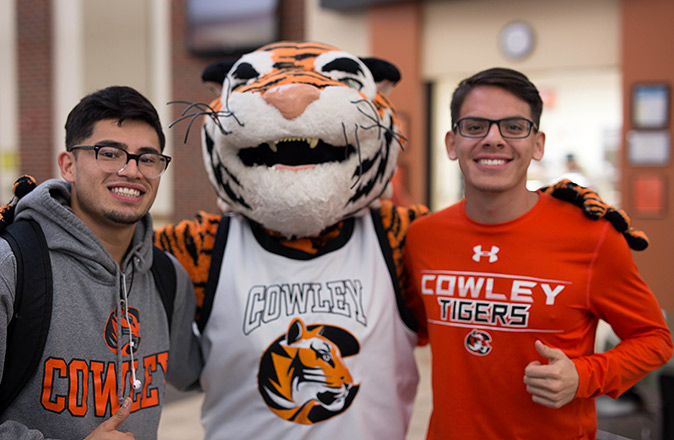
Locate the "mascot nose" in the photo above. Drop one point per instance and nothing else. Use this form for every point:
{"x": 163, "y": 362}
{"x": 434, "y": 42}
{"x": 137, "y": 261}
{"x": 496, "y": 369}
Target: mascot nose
{"x": 291, "y": 99}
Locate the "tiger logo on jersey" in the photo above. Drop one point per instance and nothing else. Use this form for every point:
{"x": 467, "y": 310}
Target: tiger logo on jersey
{"x": 303, "y": 378}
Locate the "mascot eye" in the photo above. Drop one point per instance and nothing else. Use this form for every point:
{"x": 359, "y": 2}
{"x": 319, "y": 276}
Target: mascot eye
{"x": 243, "y": 74}
{"x": 352, "y": 82}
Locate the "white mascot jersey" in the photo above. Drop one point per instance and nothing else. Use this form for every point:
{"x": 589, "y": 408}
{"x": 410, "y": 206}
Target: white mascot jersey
{"x": 291, "y": 348}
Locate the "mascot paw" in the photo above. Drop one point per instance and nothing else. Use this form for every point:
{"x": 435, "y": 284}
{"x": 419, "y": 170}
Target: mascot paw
{"x": 636, "y": 239}
{"x": 595, "y": 208}
{"x": 6, "y": 215}
{"x": 21, "y": 187}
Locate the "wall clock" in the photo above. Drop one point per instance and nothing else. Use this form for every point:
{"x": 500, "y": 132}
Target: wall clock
{"x": 517, "y": 40}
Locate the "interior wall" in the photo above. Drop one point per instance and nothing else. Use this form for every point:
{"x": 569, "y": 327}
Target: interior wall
{"x": 68, "y": 69}
{"x": 35, "y": 86}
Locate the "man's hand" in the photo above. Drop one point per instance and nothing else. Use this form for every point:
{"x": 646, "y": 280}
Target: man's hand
{"x": 552, "y": 385}
{"x": 108, "y": 429}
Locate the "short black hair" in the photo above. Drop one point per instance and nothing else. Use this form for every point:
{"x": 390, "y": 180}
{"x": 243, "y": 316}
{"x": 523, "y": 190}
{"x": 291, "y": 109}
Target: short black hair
{"x": 508, "y": 79}
{"x": 115, "y": 102}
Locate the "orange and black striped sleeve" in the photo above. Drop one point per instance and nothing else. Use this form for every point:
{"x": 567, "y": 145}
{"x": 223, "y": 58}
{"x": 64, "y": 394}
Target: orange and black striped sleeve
{"x": 396, "y": 221}
{"x": 191, "y": 242}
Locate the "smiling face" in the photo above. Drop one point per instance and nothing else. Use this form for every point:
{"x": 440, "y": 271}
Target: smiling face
{"x": 111, "y": 200}
{"x": 494, "y": 164}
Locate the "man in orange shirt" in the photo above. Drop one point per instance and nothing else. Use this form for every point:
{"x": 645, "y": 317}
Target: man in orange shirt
{"x": 513, "y": 283}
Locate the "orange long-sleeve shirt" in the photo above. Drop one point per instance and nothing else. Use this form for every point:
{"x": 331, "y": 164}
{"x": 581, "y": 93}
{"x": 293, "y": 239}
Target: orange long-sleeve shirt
{"x": 490, "y": 291}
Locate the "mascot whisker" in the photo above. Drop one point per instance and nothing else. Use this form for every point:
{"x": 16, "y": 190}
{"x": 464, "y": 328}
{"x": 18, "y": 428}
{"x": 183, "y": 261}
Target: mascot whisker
{"x": 204, "y": 110}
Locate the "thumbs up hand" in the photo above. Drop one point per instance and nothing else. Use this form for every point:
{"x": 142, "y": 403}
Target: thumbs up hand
{"x": 108, "y": 429}
{"x": 553, "y": 384}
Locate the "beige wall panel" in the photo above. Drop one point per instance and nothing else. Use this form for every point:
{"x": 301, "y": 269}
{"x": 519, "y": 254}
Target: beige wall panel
{"x": 345, "y": 30}
{"x": 116, "y": 40}
{"x": 462, "y": 36}
{"x": 127, "y": 42}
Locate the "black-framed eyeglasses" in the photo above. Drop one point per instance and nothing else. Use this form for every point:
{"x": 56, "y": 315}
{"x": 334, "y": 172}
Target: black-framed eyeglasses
{"x": 113, "y": 159}
{"x": 510, "y": 128}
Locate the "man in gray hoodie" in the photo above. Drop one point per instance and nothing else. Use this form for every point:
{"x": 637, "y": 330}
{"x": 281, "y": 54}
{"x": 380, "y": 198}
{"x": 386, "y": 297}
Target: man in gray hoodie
{"x": 109, "y": 350}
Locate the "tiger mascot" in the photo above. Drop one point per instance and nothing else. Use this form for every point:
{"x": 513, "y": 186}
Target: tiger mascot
{"x": 301, "y": 146}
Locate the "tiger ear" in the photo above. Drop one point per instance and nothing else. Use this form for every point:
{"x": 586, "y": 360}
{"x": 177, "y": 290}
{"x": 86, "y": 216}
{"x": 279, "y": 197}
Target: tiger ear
{"x": 386, "y": 75}
{"x": 295, "y": 331}
{"x": 214, "y": 74}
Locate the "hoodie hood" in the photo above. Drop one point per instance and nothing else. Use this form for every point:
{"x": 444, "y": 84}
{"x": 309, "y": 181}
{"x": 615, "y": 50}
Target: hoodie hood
{"x": 49, "y": 204}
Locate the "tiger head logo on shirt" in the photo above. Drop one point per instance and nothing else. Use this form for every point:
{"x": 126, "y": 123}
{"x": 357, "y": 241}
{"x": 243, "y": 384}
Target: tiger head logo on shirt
{"x": 303, "y": 378}
{"x": 123, "y": 332}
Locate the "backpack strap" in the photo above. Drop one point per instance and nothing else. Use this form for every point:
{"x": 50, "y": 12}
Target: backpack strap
{"x": 214, "y": 271}
{"x": 165, "y": 278}
{"x": 29, "y": 325}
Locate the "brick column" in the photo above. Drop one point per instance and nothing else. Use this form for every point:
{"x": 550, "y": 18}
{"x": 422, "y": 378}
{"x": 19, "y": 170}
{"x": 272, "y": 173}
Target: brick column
{"x": 395, "y": 35}
{"x": 192, "y": 190}
{"x": 35, "y": 94}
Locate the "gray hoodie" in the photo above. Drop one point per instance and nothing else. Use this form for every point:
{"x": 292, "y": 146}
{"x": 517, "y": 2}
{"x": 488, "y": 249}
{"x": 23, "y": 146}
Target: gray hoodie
{"x": 83, "y": 377}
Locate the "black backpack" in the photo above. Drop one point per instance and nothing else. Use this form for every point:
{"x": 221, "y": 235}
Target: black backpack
{"x": 28, "y": 328}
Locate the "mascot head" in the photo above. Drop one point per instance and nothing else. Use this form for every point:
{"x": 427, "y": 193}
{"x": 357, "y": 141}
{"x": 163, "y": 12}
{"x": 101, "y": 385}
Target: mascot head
{"x": 301, "y": 136}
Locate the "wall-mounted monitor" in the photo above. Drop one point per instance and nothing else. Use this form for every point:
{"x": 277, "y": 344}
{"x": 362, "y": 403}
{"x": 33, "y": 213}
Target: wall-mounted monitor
{"x": 231, "y": 27}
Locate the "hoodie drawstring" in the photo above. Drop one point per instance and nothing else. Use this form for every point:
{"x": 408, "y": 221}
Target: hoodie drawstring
{"x": 122, "y": 311}
{"x": 118, "y": 313}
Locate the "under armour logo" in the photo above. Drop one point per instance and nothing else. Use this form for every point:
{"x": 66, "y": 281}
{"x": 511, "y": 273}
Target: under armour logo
{"x": 479, "y": 253}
